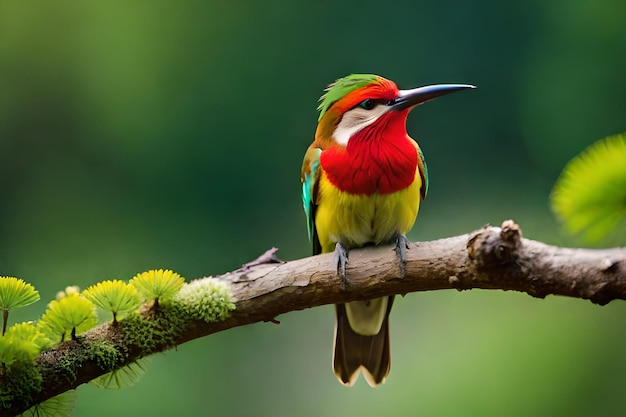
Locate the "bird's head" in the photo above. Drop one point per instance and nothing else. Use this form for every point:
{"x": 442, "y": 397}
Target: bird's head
{"x": 358, "y": 101}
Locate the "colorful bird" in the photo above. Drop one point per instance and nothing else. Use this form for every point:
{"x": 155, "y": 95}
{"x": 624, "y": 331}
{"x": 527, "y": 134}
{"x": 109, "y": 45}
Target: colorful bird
{"x": 362, "y": 181}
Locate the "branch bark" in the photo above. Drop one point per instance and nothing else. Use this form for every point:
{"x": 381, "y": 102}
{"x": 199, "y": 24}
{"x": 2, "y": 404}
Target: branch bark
{"x": 489, "y": 258}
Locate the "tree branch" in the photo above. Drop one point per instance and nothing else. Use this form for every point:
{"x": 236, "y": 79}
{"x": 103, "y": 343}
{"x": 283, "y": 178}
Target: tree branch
{"x": 489, "y": 258}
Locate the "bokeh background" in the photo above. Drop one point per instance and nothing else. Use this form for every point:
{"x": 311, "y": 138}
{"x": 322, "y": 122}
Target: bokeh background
{"x": 159, "y": 134}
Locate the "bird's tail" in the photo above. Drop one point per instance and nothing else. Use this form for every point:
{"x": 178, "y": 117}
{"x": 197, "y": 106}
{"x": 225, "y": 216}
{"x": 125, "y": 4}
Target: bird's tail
{"x": 354, "y": 351}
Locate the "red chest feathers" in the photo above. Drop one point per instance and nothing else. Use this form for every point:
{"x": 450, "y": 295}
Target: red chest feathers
{"x": 372, "y": 161}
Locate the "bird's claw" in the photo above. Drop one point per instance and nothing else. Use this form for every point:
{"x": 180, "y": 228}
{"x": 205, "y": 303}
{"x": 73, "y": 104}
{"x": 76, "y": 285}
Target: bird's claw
{"x": 402, "y": 245}
{"x": 341, "y": 261}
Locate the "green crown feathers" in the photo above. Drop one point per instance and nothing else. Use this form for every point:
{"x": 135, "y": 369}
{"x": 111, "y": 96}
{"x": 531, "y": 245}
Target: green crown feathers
{"x": 340, "y": 88}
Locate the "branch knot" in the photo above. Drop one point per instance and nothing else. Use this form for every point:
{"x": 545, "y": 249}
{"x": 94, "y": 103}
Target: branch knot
{"x": 494, "y": 246}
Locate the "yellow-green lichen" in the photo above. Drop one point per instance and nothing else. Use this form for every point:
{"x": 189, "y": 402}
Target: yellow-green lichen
{"x": 206, "y": 299}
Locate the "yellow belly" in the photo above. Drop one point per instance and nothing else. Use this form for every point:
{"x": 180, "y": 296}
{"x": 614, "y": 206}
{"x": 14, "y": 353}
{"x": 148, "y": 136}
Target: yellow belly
{"x": 357, "y": 220}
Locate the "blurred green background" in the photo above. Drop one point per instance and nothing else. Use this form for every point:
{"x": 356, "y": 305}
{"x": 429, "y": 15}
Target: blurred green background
{"x": 157, "y": 134}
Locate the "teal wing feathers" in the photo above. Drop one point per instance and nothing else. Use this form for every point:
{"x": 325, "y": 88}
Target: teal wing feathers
{"x": 421, "y": 164}
{"x": 310, "y": 176}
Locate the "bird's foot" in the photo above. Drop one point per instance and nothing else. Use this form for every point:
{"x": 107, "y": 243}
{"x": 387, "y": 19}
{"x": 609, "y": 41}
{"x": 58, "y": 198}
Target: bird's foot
{"x": 341, "y": 261}
{"x": 402, "y": 244}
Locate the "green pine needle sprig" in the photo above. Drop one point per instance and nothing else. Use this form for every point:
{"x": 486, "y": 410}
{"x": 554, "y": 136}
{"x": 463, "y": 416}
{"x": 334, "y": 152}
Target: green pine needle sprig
{"x": 123, "y": 377}
{"x": 157, "y": 285}
{"x": 29, "y": 332}
{"x": 21, "y": 343}
{"x": 114, "y": 296}
{"x": 14, "y": 293}
{"x": 69, "y": 315}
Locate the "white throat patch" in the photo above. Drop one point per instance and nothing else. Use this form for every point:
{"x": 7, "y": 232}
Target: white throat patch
{"x": 356, "y": 119}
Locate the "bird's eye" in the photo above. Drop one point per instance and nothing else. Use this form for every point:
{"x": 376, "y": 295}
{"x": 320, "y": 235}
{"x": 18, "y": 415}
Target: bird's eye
{"x": 367, "y": 104}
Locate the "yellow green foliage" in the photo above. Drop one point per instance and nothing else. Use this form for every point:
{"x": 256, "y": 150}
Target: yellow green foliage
{"x": 590, "y": 195}
{"x": 123, "y": 377}
{"x": 60, "y": 406}
{"x": 12, "y": 350}
{"x": 30, "y": 334}
{"x": 28, "y": 331}
{"x": 15, "y": 293}
{"x": 157, "y": 284}
{"x": 71, "y": 314}
{"x": 22, "y": 342}
{"x": 19, "y": 376}
{"x": 115, "y": 296}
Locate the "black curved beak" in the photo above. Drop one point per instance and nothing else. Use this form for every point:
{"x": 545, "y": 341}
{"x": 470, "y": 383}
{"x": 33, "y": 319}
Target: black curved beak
{"x": 410, "y": 98}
